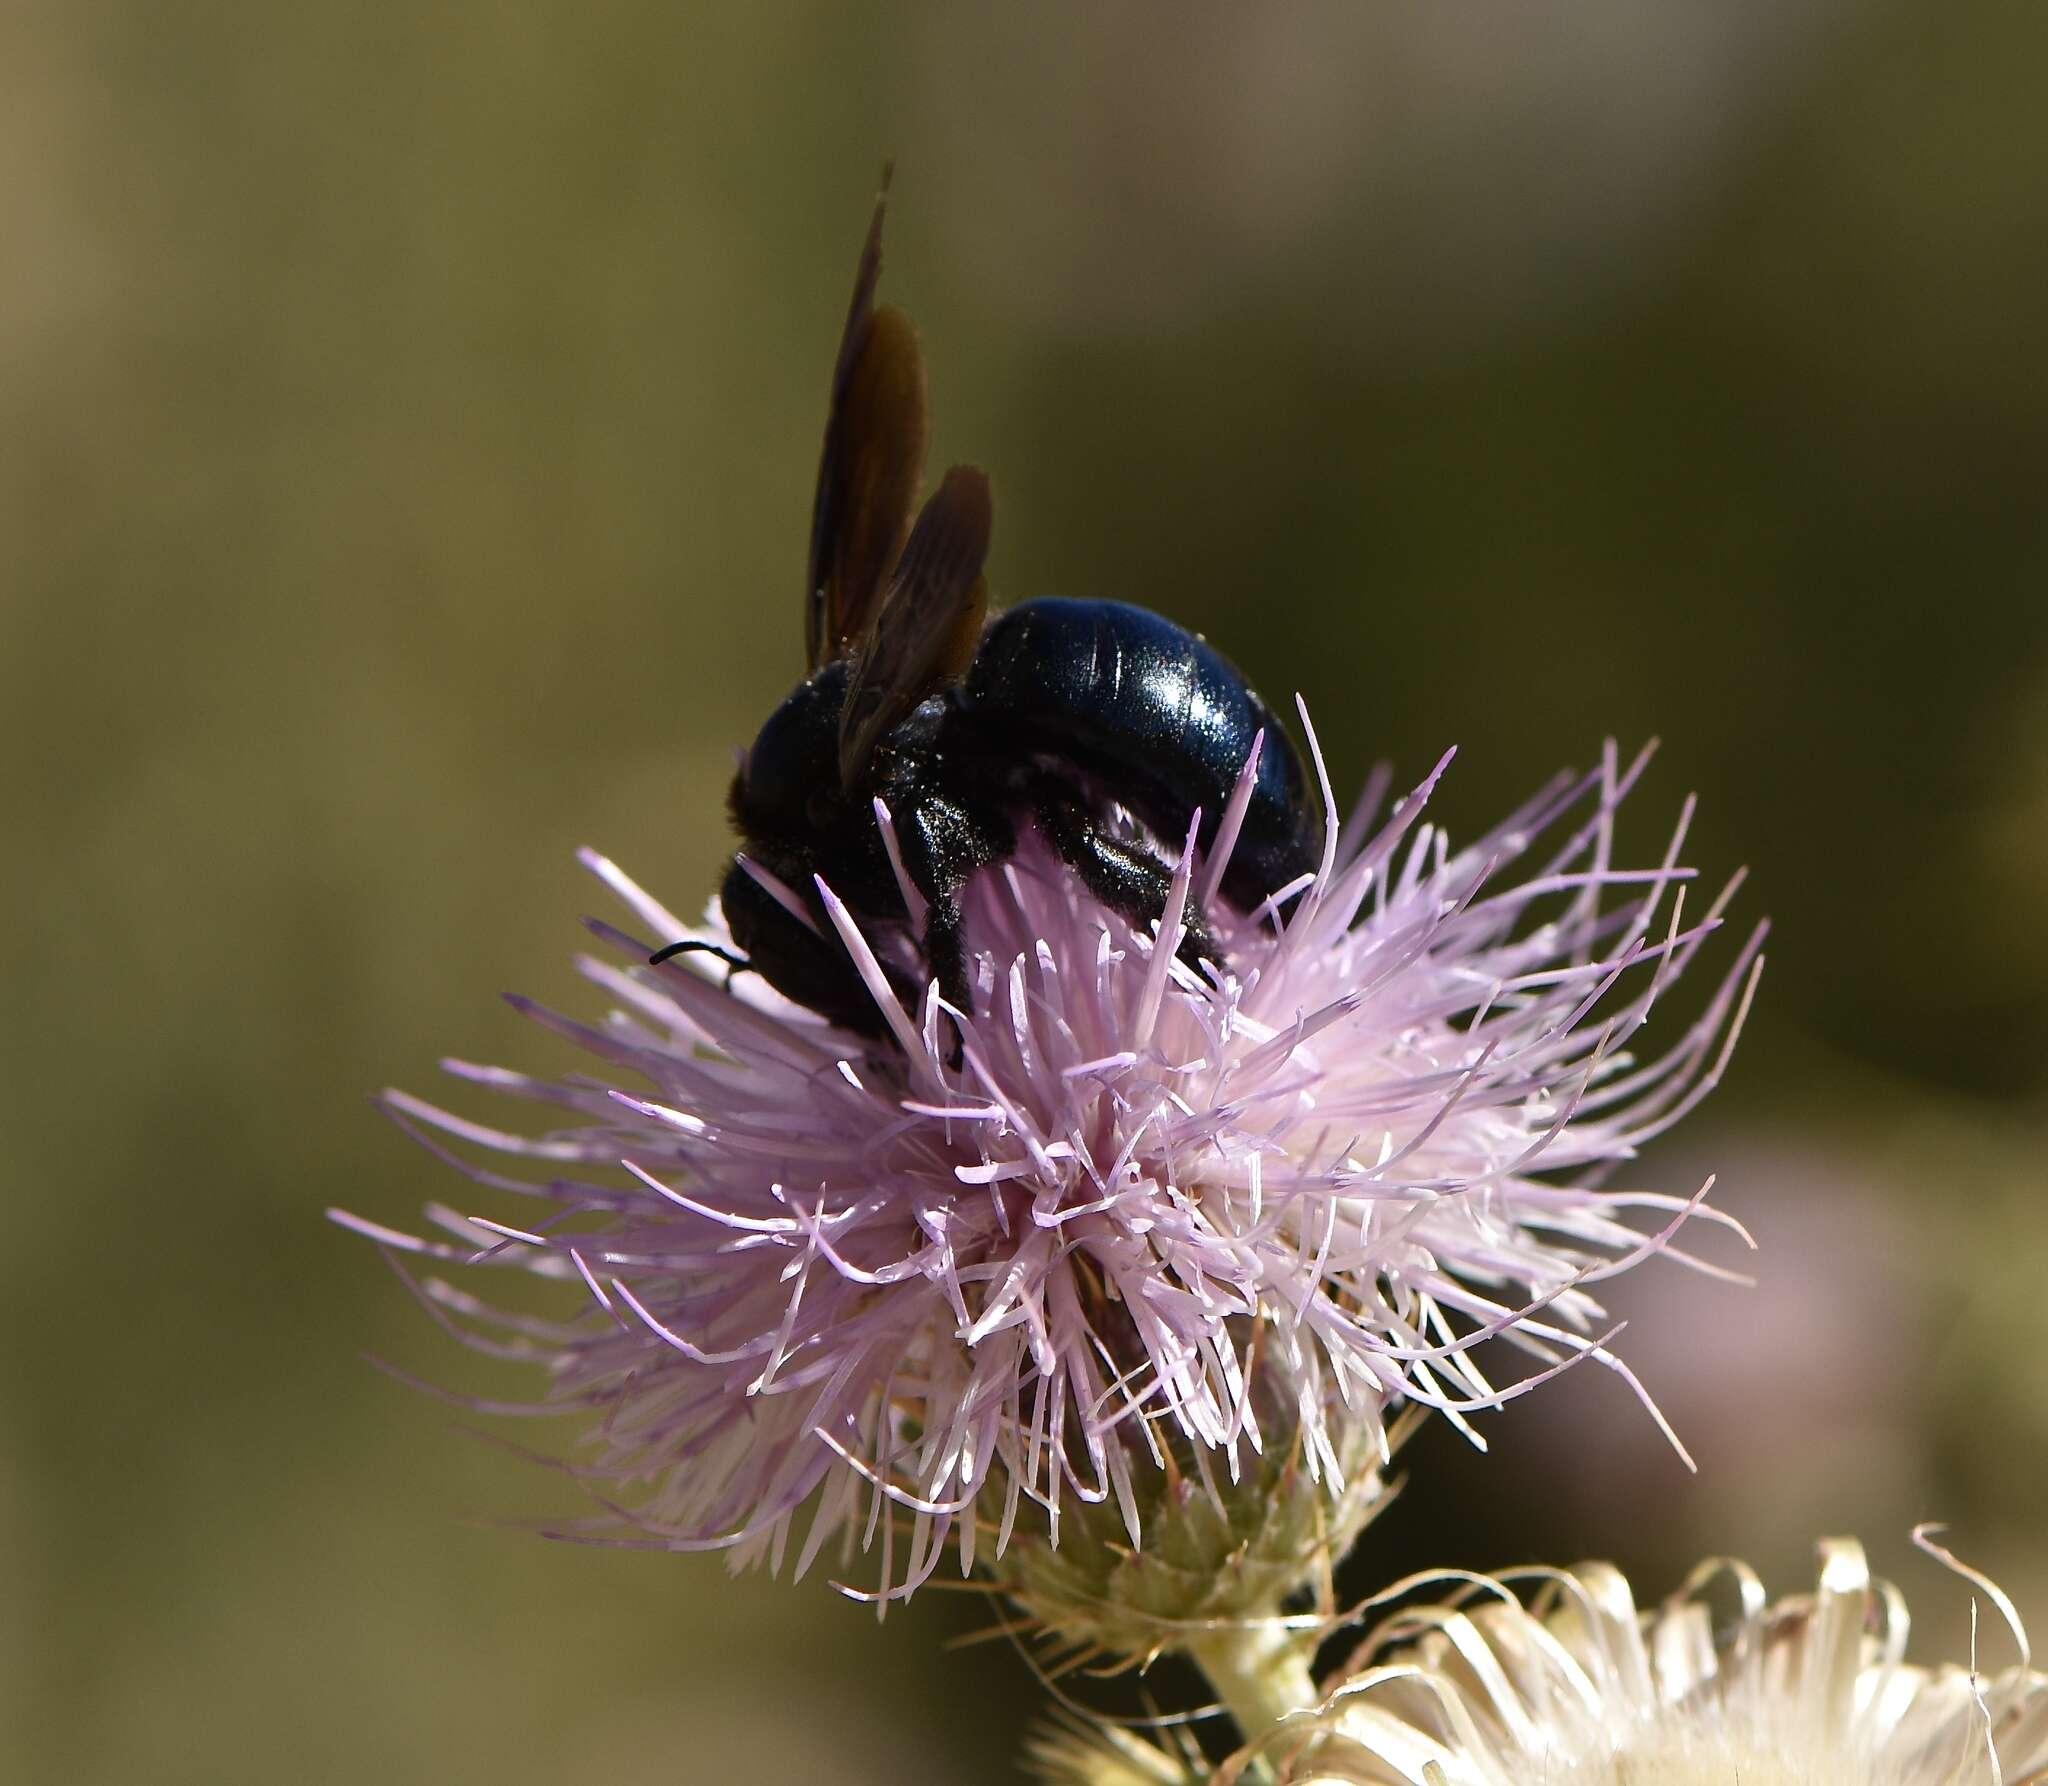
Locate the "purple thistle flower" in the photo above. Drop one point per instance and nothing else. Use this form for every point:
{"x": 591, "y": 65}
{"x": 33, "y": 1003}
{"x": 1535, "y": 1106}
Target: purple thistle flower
{"x": 927, "y": 1299}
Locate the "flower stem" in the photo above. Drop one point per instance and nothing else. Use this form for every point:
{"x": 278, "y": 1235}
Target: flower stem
{"x": 1259, "y": 1671}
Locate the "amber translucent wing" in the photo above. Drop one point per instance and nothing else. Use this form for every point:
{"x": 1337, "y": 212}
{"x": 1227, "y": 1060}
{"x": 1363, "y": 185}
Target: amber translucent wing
{"x": 869, "y": 471}
{"x": 924, "y": 634}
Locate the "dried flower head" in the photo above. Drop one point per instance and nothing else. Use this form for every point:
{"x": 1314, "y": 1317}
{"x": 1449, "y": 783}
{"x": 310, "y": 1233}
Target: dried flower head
{"x": 1579, "y": 1688}
{"x": 1152, "y": 1221}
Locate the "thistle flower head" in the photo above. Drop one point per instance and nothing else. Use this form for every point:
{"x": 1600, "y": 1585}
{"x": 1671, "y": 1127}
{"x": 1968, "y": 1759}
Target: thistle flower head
{"x": 1140, "y": 1221}
{"x": 1580, "y": 1688}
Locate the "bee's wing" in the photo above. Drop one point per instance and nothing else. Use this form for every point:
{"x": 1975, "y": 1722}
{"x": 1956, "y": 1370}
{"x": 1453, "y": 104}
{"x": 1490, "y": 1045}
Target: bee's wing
{"x": 873, "y": 458}
{"x": 924, "y": 634}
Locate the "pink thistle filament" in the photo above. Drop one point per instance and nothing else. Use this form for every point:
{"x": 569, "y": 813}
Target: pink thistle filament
{"x": 917, "y": 1301}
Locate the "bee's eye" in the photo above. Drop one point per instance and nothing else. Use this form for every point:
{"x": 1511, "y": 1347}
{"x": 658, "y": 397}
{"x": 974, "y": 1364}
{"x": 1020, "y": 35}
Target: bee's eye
{"x": 820, "y": 808}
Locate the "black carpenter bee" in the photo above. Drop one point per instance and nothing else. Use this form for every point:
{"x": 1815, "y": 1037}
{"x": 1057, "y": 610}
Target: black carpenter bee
{"x": 1055, "y": 713}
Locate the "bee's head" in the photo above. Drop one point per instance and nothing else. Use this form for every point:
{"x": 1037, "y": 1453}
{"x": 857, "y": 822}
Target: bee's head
{"x": 788, "y": 784}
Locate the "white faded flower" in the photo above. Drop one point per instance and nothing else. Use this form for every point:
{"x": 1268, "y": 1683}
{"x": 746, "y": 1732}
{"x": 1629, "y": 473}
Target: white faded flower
{"x": 1580, "y": 1688}
{"x": 1145, "y": 1225}
{"x": 1071, "y": 1749}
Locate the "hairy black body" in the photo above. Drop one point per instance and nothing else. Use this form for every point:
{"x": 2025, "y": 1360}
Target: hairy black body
{"x": 1068, "y": 707}
{"x": 1053, "y": 714}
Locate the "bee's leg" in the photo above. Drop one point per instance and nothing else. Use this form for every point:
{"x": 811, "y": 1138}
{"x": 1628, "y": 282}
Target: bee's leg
{"x": 1131, "y": 881}
{"x": 942, "y": 844}
{"x": 806, "y": 965}
{"x": 946, "y": 955}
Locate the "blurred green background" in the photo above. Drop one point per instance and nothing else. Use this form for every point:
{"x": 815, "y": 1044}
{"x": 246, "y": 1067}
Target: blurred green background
{"x": 407, "y": 417}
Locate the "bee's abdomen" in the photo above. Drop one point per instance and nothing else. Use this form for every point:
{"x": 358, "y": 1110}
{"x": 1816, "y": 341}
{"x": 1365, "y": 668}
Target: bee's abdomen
{"x": 1158, "y": 717}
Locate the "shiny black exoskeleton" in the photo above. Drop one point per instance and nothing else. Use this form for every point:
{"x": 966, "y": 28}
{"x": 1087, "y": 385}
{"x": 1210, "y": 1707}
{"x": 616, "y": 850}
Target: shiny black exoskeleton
{"x": 1055, "y": 714}
{"x": 1067, "y": 708}
{"x": 1154, "y": 719}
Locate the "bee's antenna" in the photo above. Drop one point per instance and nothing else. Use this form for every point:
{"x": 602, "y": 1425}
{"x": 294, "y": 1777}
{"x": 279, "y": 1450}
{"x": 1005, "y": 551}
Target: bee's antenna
{"x": 735, "y": 964}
